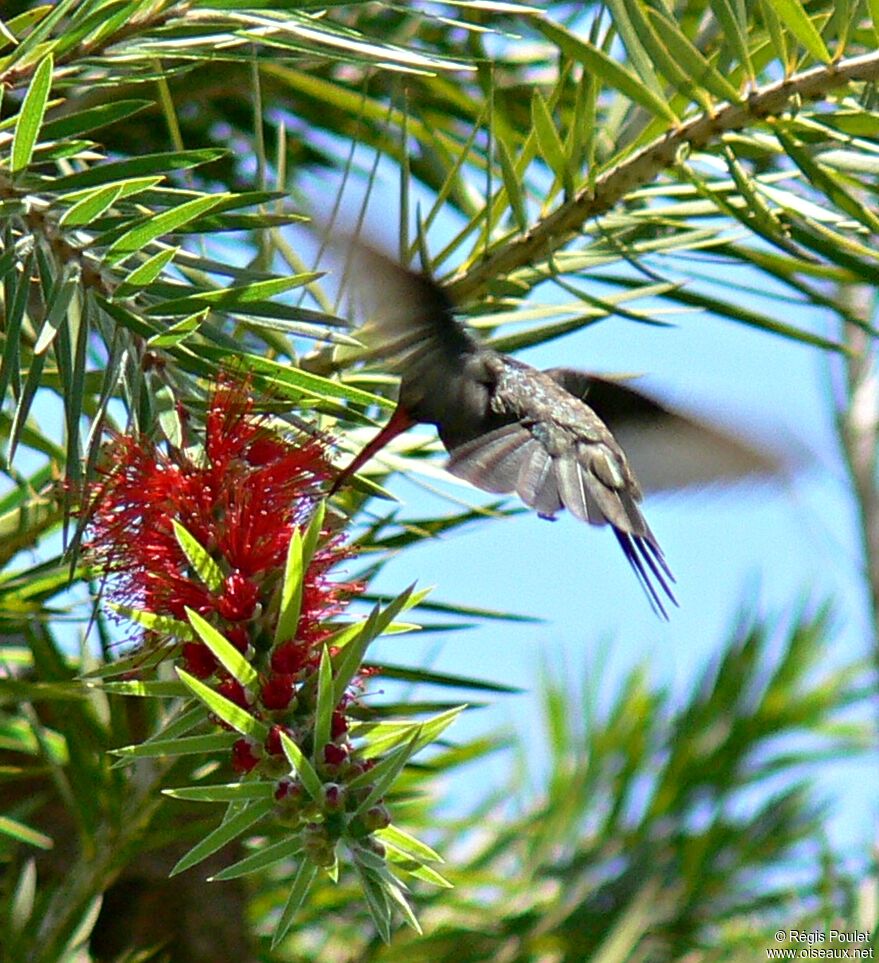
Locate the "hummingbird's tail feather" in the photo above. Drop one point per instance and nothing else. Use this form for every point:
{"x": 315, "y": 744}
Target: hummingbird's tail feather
{"x": 536, "y": 484}
{"x": 589, "y": 498}
{"x": 638, "y": 551}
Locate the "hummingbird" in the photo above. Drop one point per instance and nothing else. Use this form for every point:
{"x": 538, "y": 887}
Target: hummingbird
{"x": 551, "y": 436}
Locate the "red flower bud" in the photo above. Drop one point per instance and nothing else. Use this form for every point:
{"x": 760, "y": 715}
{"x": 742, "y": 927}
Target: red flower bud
{"x": 264, "y": 450}
{"x": 232, "y": 690}
{"x": 334, "y": 798}
{"x": 338, "y": 724}
{"x": 288, "y": 790}
{"x": 239, "y": 637}
{"x": 289, "y": 658}
{"x": 335, "y": 755}
{"x": 377, "y": 817}
{"x": 277, "y": 691}
{"x": 244, "y": 757}
{"x": 198, "y": 660}
{"x": 274, "y": 746}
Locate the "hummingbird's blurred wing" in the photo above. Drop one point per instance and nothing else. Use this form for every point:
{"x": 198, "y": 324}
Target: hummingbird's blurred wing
{"x": 409, "y": 318}
{"x": 667, "y": 451}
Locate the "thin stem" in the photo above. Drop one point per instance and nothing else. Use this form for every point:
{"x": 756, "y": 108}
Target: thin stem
{"x": 857, "y": 420}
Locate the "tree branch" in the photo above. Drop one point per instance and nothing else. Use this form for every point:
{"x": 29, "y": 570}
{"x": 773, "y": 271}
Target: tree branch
{"x": 563, "y": 223}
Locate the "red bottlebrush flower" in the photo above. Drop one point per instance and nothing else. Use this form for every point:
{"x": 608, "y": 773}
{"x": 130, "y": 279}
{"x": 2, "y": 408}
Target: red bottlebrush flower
{"x": 289, "y": 658}
{"x": 239, "y": 598}
{"x": 276, "y": 692}
{"x": 241, "y": 501}
{"x": 244, "y": 757}
{"x": 198, "y": 660}
{"x": 240, "y": 498}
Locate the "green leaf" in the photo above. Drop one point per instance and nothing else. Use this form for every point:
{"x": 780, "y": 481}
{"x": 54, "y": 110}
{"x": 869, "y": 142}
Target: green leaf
{"x": 91, "y": 206}
{"x": 405, "y": 864}
{"x": 135, "y": 662}
{"x": 733, "y": 19}
{"x": 162, "y": 624}
{"x": 24, "y": 21}
{"x": 127, "y": 188}
{"x": 178, "y": 332}
{"x": 135, "y": 167}
{"x": 84, "y": 121}
{"x": 300, "y": 552}
{"x": 401, "y": 840}
{"x": 873, "y": 6}
{"x": 298, "y": 891}
{"x": 239, "y": 719}
{"x": 228, "y": 830}
{"x": 323, "y": 712}
{"x": 31, "y": 116}
{"x": 382, "y": 736}
{"x": 23, "y": 898}
{"x": 22, "y": 833}
{"x": 350, "y": 657}
{"x": 291, "y": 591}
{"x": 633, "y": 38}
{"x": 7, "y": 35}
{"x": 800, "y": 25}
{"x": 16, "y": 287}
{"x": 229, "y": 793}
{"x": 229, "y": 299}
{"x": 691, "y": 60}
{"x": 282, "y": 374}
{"x": 660, "y": 55}
{"x": 383, "y": 775}
{"x": 144, "y": 689}
{"x": 144, "y": 274}
{"x": 302, "y": 767}
{"x": 160, "y": 224}
{"x": 313, "y": 532}
{"x": 606, "y": 68}
{"x": 512, "y": 184}
{"x": 226, "y": 653}
{"x": 426, "y": 677}
{"x": 178, "y": 746}
{"x": 205, "y": 567}
{"x": 377, "y": 900}
{"x": 62, "y": 294}
{"x": 552, "y": 149}
{"x": 383, "y": 892}
{"x": 262, "y": 859}
{"x": 820, "y": 178}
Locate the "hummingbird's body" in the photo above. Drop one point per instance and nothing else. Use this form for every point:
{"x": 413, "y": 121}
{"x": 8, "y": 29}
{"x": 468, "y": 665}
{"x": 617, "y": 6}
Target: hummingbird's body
{"x": 510, "y": 427}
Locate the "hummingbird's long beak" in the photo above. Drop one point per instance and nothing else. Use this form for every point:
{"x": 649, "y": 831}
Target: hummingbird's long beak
{"x": 400, "y": 421}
